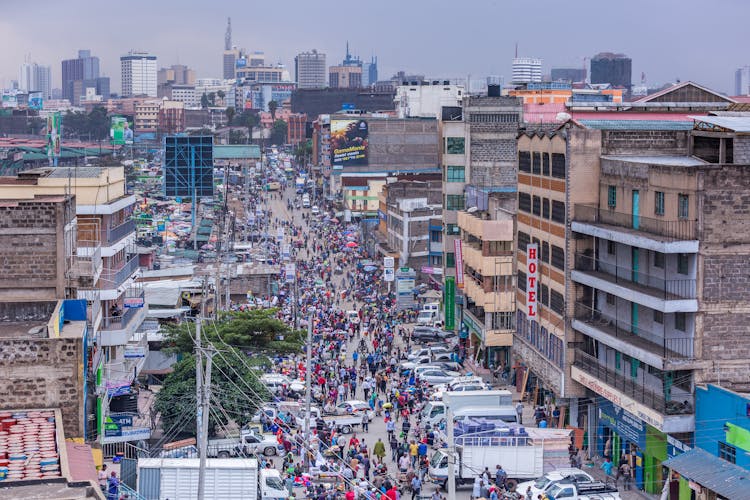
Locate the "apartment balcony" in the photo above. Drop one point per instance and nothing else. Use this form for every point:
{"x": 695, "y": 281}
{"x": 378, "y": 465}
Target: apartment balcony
{"x": 491, "y": 301}
{"x": 633, "y": 396}
{"x": 655, "y": 292}
{"x": 652, "y": 347}
{"x": 117, "y": 233}
{"x": 659, "y": 235}
{"x": 493, "y": 265}
{"x": 119, "y": 329}
{"x": 113, "y": 278}
{"x": 86, "y": 266}
{"x": 486, "y": 229}
{"x": 490, "y": 337}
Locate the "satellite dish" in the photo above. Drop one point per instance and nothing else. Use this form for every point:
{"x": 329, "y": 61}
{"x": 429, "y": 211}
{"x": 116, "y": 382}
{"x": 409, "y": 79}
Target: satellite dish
{"x": 472, "y": 209}
{"x": 563, "y": 117}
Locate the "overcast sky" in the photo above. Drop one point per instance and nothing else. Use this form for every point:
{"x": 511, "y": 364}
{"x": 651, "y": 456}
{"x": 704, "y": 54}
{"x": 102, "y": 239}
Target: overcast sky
{"x": 667, "y": 39}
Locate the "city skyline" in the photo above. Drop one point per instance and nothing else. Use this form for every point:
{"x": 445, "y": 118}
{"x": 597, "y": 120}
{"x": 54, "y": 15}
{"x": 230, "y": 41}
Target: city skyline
{"x": 434, "y": 44}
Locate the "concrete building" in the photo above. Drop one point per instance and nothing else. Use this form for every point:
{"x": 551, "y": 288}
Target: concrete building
{"x": 345, "y": 77}
{"x": 527, "y": 69}
{"x": 742, "y": 81}
{"x": 316, "y": 102}
{"x": 139, "y": 74}
{"x": 640, "y": 230}
{"x": 426, "y": 99}
{"x": 171, "y": 118}
{"x": 310, "y": 70}
{"x": 177, "y": 74}
{"x": 182, "y": 93}
{"x": 570, "y": 75}
{"x": 615, "y": 69}
{"x": 35, "y": 77}
{"x": 262, "y": 74}
{"x": 370, "y": 72}
{"x": 81, "y": 73}
{"x": 229, "y": 62}
{"x": 146, "y": 119}
{"x": 488, "y": 282}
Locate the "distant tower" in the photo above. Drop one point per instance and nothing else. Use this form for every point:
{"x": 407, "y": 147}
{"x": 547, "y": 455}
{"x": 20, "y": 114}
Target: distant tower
{"x": 228, "y": 35}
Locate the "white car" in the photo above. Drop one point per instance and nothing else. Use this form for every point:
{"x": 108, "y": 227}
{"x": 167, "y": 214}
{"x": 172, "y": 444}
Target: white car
{"x": 354, "y": 407}
{"x": 544, "y": 483}
{"x": 437, "y": 376}
{"x": 315, "y": 210}
{"x": 352, "y": 317}
{"x": 426, "y": 360}
{"x": 426, "y": 351}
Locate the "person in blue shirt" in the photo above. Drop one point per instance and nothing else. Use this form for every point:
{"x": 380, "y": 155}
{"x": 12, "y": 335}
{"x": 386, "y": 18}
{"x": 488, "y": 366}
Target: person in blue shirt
{"x": 355, "y": 356}
{"x": 607, "y": 466}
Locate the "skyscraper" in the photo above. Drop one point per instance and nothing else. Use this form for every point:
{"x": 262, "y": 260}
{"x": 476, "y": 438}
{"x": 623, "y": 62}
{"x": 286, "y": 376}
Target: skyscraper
{"x": 615, "y": 69}
{"x": 370, "y": 72}
{"x": 35, "y": 77}
{"x": 84, "y": 69}
{"x": 310, "y": 70}
{"x": 139, "y": 75}
{"x": 527, "y": 70}
{"x": 742, "y": 81}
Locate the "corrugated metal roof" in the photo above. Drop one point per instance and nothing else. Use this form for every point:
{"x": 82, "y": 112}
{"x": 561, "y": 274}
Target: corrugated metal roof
{"x": 726, "y": 479}
{"x": 637, "y": 124}
{"x": 734, "y": 123}
{"x": 236, "y": 152}
{"x": 77, "y": 172}
{"x": 676, "y": 161}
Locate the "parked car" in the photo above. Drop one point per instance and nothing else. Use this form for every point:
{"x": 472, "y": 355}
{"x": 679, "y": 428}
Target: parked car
{"x": 437, "y": 376}
{"x": 429, "y": 333}
{"x": 354, "y": 407}
{"x": 426, "y": 351}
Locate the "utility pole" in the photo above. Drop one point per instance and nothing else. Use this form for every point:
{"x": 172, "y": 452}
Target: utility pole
{"x": 308, "y": 389}
{"x": 203, "y": 444}
{"x": 199, "y": 402}
{"x": 451, "y": 482}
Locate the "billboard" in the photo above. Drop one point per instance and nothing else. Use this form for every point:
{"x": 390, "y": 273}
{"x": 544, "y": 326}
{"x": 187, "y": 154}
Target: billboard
{"x": 532, "y": 275}
{"x": 449, "y": 303}
{"x": 188, "y": 166}
{"x": 36, "y": 101}
{"x": 458, "y": 250}
{"x": 54, "y": 131}
{"x": 9, "y": 99}
{"x": 120, "y": 131}
{"x": 349, "y": 139}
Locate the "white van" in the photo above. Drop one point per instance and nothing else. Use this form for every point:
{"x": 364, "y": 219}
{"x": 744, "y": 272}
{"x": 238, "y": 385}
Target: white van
{"x": 426, "y": 318}
{"x": 305, "y": 200}
{"x": 432, "y": 307}
{"x": 271, "y": 486}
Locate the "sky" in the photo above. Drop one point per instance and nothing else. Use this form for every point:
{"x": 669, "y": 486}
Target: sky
{"x": 667, "y": 39}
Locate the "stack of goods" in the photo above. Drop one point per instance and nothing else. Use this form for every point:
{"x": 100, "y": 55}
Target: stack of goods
{"x": 28, "y": 448}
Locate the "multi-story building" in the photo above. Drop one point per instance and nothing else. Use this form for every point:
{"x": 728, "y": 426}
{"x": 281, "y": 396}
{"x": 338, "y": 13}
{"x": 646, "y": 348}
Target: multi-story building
{"x": 310, "y": 70}
{"x": 262, "y": 74}
{"x": 184, "y": 94}
{"x": 81, "y": 73}
{"x": 229, "y": 62}
{"x": 426, "y": 99}
{"x": 638, "y": 228}
{"x": 742, "y": 81}
{"x": 370, "y": 72}
{"x": 171, "y": 117}
{"x": 527, "y": 70}
{"x": 147, "y": 116}
{"x": 139, "y": 74}
{"x": 488, "y": 281}
{"x": 34, "y": 77}
{"x": 568, "y": 74}
{"x": 615, "y": 69}
{"x": 346, "y": 77}
{"x": 296, "y": 131}
{"x": 177, "y": 74}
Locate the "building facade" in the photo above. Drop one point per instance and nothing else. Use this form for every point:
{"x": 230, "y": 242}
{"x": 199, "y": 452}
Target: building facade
{"x": 345, "y": 77}
{"x": 81, "y": 73}
{"x": 742, "y": 81}
{"x": 615, "y": 69}
{"x": 35, "y": 77}
{"x": 310, "y": 70}
{"x": 139, "y": 74}
{"x": 527, "y": 70}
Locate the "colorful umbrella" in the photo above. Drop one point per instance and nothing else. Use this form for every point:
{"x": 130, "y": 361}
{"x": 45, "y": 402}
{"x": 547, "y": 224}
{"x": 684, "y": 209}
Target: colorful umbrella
{"x": 351, "y": 244}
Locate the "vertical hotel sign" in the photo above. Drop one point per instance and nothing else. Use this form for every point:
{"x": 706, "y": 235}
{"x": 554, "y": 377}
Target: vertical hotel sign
{"x": 532, "y": 275}
{"x": 459, "y": 261}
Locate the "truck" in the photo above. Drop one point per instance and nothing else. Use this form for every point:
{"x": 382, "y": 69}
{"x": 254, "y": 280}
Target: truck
{"x": 550, "y": 479}
{"x": 583, "y": 491}
{"x": 345, "y": 424}
{"x": 247, "y": 443}
{"x": 524, "y": 453}
{"x": 271, "y": 485}
{"x": 434, "y": 411}
{"x": 225, "y": 478}
{"x": 299, "y": 184}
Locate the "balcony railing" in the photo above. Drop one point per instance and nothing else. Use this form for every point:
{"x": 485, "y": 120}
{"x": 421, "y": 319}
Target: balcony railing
{"x": 656, "y": 285}
{"x": 117, "y": 233}
{"x": 666, "y": 347}
{"x": 673, "y": 230}
{"x": 631, "y": 387}
{"x": 112, "y": 278}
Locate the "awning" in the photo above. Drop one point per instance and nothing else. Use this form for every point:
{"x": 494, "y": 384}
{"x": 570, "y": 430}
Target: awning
{"x": 713, "y": 473}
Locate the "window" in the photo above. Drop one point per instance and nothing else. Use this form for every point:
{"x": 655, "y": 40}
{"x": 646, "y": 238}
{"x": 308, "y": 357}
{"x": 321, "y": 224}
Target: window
{"x": 455, "y": 174}
{"x": 545, "y": 208}
{"x": 524, "y": 161}
{"x": 611, "y": 247}
{"x": 728, "y": 452}
{"x": 556, "y": 302}
{"x": 659, "y": 260}
{"x": 524, "y": 202}
{"x": 610, "y": 299}
{"x": 544, "y": 294}
{"x": 682, "y": 263}
{"x": 659, "y": 317}
{"x": 454, "y": 145}
{"x": 545, "y": 164}
{"x": 536, "y": 164}
{"x": 558, "y": 165}
{"x": 452, "y": 229}
{"x": 523, "y": 240}
{"x": 454, "y": 202}
{"x": 450, "y": 259}
{"x": 612, "y": 196}
{"x": 493, "y": 117}
{"x": 536, "y": 206}
{"x": 683, "y": 207}
{"x": 679, "y": 321}
{"x": 558, "y": 211}
{"x": 522, "y": 281}
{"x": 545, "y": 252}
{"x": 436, "y": 236}
{"x": 659, "y": 203}
{"x": 436, "y": 260}
{"x": 558, "y": 257}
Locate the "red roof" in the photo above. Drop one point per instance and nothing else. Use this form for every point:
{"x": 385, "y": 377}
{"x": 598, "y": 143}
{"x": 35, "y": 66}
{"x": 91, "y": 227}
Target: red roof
{"x": 741, "y": 98}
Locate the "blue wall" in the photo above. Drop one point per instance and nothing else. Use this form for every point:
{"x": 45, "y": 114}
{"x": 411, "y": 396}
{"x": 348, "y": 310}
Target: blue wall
{"x": 715, "y": 408}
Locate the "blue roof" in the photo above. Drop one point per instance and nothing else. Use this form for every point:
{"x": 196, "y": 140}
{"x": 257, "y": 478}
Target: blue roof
{"x": 637, "y": 124}
{"x": 726, "y": 479}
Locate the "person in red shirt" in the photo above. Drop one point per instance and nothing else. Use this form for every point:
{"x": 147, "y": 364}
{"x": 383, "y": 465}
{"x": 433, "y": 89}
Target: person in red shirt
{"x": 350, "y": 495}
{"x": 392, "y": 494}
{"x": 354, "y": 442}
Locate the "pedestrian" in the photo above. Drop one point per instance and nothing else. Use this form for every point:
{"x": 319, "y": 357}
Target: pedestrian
{"x": 519, "y": 412}
{"x": 416, "y": 487}
{"x": 102, "y": 476}
{"x": 476, "y": 490}
{"x": 625, "y": 472}
{"x": 607, "y": 467}
{"x": 379, "y": 450}
{"x": 365, "y": 422}
{"x": 113, "y": 486}
{"x": 500, "y": 476}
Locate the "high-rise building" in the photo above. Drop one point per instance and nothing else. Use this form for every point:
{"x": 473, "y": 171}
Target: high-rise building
{"x": 742, "y": 81}
{"x": 35, "y": 77}
{"x": 615, "y": 69}
{"x": 527, "y": 70}
{"x": 229, "y": 63}
{"x": 84, "y": 69}
{"x": 138, "y": 74}
{"x": 568, "y": 74}
{"x": 370, "y": 72}
{"x": 177, "y": 74}
{"x": 310, "y": 70}
{"x": 346, "y": 77}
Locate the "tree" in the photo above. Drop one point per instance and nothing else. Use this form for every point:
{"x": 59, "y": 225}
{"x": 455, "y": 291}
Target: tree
{"x": 272, "y": 107}
{"x": 212, "y": 98}
{"x": 221, "y": 94}
{"x": 204, "y": 101}
{"x": 251, "y": 120}
{"x": 237, "y": 137}
{"x": 303, "y": 151}
{"x": 236, "y": 390}
{"x": 230, "y": 112}
{"x": 278, "y": 132}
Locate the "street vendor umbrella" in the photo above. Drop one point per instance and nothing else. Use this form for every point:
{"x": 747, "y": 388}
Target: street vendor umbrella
{"x": 369, "y": 269}
{"x": 351, "y": 244}
{"x": 335, "y": 220}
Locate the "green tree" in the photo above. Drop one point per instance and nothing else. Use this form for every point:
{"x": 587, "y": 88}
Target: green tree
{"x": 278, "y": 132}
{"x": 204, "y": 101}
{"x": 303, "y": 151}
{"x": 212, "y": 98}
{"x": 230, "y": 112}
{"x": 98, "y": 123}
{"x": 221, "y": 94}
{"x": 251, "y": 120}
{"x": 237, "y": 137}
{"x": 272, "y": 107}
{"x": 236, "y": 393}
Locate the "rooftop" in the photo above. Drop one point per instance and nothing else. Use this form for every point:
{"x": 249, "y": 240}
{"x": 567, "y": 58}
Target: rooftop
{"x": 740, "y": 124}
{"x": 672, "y": 161}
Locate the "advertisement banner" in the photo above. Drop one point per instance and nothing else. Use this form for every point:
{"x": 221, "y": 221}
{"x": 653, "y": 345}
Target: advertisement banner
{"x": 290, "y": 273}
{"x": 349, "y": 140}
{"x": 9, "y": 100}
{"x": 120, "y": 131}
{"x": 388, "y": 274}
{"x": 53, "y": 136}
{"x": 36, "y": 101}
{"x": 449, "y": 303}
{"x": 459, "y": 261}
{"x": 532, "y": 275}
{"x": 389, "y": 262}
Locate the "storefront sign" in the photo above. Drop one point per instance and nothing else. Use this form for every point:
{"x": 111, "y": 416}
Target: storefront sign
{"x": 389, "y": 262}
{"x": 127, "y": 434}
{"x": 532, "y": 275}
{"x": 388, "y": 274}
{"x": 450, "y": 303}
{"x": 625, "y": 423}
{"x": 459, "y": 261}
{"x": 135, "y": 352}
{"x": 133, "y": 302}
